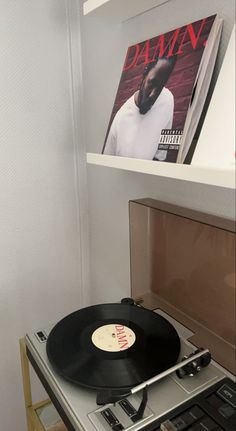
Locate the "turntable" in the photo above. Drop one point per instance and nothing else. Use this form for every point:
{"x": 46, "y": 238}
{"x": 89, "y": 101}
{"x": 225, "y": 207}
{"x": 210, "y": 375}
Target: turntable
{"x": 122, "y": 366}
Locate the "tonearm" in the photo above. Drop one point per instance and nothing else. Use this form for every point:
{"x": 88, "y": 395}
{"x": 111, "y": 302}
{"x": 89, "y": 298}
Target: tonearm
{"x": 190, "y": 365}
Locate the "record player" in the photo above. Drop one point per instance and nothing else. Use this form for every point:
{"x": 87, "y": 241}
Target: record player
{"x": 167, "y": 357}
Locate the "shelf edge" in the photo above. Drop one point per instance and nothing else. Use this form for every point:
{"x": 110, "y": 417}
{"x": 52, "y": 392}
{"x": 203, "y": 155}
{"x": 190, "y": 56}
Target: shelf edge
{"x": 210, "y": 176}
{"x": 91, "y": 5}
{"x": 122, "y": 11}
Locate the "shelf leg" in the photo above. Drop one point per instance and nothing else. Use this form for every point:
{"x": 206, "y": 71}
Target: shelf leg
{"x": 26, "y": 382}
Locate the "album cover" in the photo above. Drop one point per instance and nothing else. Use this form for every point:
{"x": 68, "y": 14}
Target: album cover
{"x": 161, "y": 94}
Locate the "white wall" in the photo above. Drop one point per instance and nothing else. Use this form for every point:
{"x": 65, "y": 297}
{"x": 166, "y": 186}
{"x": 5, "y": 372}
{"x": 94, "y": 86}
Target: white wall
{"x": 220, "y": 150}
{"x": 40, "y": 260}
{"x": 104, "y": 48}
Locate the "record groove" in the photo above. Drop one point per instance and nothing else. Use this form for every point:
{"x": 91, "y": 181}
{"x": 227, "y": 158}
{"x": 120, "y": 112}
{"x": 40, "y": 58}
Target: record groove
{"x": 112, "y": 346}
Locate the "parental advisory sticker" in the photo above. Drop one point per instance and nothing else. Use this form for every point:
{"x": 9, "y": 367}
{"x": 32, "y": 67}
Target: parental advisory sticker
{"x": 169, "y": 144}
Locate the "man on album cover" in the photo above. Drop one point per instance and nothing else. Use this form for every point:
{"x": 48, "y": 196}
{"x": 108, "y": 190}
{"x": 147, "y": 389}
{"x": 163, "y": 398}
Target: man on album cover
{"x": 136, "y": 127}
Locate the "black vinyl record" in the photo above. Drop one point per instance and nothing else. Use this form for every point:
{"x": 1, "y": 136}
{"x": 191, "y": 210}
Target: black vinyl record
{"x": 112, "y": 346}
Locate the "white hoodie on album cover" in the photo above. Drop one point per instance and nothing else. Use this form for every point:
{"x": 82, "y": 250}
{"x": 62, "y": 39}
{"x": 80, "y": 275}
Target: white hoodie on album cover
{"x": 137, "y": 135}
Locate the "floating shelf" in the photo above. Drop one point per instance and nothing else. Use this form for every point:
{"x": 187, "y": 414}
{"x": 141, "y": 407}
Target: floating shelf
{"x": 197, "y": 174}
{"x": 120, "y": 10}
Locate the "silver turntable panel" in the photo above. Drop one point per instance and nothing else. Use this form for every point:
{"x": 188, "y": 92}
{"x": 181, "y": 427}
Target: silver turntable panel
{"x": 79, "y": 404}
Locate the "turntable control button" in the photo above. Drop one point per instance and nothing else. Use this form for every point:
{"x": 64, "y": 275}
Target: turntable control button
{"x": 227, "y": 410}
{"x": 179, "y": 423}
{"x": 188, "y": 418}
{"x": 196, "y": 412}
{"x": 215, "y": 401}
{"x": 117, "y": 427}
{"x": 110, "y": 417}
{"x": 127, "y": 407}
{"x": 233, "y": 419}
{"x": 206, "y": 424}
{"x": 167, "y": 426}
{"x": 41, "y": 336}
{"x": 228, "y": 394}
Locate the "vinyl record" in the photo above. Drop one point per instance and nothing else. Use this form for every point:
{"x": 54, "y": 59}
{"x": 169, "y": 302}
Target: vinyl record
{"x": 112, "y": 346}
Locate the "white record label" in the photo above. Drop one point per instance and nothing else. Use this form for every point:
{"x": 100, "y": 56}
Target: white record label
{"x": 113, "y": 338}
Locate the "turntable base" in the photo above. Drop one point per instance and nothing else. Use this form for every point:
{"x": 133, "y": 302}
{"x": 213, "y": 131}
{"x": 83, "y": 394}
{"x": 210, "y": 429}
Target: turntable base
{"x": 77, "y": 405}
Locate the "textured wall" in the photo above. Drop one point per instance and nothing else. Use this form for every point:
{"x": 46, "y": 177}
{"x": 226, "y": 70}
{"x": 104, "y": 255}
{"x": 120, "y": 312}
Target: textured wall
{"x": 40, "y": 262}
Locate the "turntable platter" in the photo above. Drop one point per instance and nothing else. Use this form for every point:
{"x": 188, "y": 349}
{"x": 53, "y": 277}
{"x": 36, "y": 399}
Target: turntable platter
{"x": 112, "y": 346}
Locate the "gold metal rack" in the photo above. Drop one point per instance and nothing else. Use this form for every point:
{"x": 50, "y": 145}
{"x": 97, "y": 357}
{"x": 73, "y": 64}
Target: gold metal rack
{"x": 32, "y": 410}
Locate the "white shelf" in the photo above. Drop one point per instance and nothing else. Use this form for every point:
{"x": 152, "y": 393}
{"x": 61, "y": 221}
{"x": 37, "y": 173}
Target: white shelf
{"x": 120, "y": 10}
{"x": 197, "y": 174}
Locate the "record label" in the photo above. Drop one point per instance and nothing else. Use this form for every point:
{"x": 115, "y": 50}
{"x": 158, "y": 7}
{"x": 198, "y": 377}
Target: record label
{"x": 113, "y": 338}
